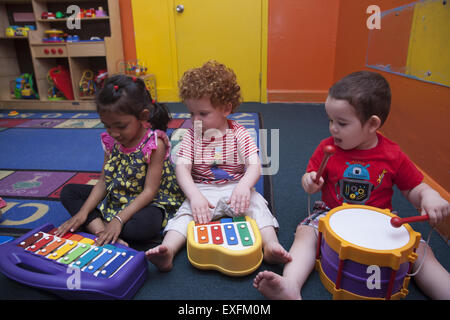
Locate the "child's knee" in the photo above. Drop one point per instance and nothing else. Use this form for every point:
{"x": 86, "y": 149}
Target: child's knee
{"x": 305, "y": 233}
{"x": 303, "y": 230}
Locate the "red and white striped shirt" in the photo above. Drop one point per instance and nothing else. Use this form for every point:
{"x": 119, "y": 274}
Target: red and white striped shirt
{"x": 217, "y": 158}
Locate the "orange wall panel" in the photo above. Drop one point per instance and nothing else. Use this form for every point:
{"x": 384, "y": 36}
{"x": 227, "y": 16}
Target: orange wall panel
{"x": 301, "y": 49}
{"x": 126, "y": 20}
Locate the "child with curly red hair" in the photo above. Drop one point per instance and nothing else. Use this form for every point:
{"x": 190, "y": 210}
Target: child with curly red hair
{"x": 217, "y": 165}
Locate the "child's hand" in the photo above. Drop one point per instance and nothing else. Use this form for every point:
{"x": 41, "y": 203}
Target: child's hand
{"x": 200, "y": 209}
{"x": 240, "y": 198}
{"x": 110, "y": 234}
{"x": 308, "y": 182}
{"x": 71, "y": 225}
{"x": 436, "y": 207}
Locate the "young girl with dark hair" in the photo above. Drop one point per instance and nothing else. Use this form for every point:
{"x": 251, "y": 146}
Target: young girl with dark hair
{"x": 137, "y": 189}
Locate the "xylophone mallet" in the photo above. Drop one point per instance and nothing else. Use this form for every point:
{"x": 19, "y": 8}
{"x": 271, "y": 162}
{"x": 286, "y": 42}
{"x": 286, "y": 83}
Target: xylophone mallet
{"x": 396, "y": 222}
{"x": 328, "y": 151}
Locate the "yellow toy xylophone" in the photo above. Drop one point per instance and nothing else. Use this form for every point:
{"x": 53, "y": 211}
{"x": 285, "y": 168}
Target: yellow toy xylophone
{"x": 232, "y": 246}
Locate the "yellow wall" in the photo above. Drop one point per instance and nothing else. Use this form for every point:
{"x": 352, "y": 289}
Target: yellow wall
{"x": 154, "y": 33}
{"x": 168, "y": 42}
{"x": 429, "y": 47}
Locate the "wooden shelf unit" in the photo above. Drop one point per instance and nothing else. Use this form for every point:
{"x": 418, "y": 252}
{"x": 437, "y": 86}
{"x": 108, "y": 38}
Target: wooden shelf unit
{"x": 30, "y": 54}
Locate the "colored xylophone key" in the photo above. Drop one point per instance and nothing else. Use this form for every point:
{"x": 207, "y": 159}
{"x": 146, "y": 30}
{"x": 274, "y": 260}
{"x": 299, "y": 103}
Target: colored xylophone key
{"x": 69, "y": 245}
{"x": 45, "y": 239}
{"x": 216, "y": 233}
{"x": 30, "y": 240}
{"x": 244, "y": 234}
{"x": 74, "y": 254}
{"x": 96, "y": 264}
{"x": 57, "y": 242}
{"x": 88, "y": 257}
{"x": 202, "y": 233}
{"x": 114, "y": 266}
{"x": 230, "y": 232}
{"x": 225, "y": 228}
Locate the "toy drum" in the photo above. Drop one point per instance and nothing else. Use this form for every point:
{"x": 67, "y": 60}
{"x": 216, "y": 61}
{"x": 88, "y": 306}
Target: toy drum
{"x": 232, "y": 246}
{"x": 361, "y": 256}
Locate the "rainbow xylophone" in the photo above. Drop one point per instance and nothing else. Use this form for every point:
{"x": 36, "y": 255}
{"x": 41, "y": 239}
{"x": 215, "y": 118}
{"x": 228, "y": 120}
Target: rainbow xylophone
{"x": 73, "y": 266}
{"x": 232, "y": 246}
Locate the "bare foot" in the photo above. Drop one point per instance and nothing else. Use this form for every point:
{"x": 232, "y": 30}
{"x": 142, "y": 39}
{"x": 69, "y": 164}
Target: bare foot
{"x": 161, "y": 257}
{"x": 274, "y": 253}
{"x": 275, "y": 287}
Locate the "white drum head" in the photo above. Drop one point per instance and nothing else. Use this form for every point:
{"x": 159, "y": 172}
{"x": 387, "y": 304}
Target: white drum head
{"x": 369, "y": 229}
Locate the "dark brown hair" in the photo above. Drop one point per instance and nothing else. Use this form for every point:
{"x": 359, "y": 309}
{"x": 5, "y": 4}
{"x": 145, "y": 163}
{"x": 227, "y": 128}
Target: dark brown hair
{"x": 129, "y": 95}
{"x": 368, "y": 92}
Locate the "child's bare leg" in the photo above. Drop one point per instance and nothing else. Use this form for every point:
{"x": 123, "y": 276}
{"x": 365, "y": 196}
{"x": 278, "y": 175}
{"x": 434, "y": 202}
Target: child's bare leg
{"x": 162, "y": 256}
{"x": 433, "y": 278}
{"x": 295, "y": 273}
{"x": 96, "y": 226}
{"x": 274, "y": 253}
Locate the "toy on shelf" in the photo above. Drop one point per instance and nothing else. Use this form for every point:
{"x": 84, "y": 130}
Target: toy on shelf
{"x": 91, "y": 13}
{"x": 54, "y": 93}
{"x": 16, "y": 31}
{"x": 61, "y": 79}
{"x": 87, "y": 86}
{"x": 100, "y": 13}
{"x": 100, "y": 78}
{"x": 232, "y": 246}
{"x": 10, "y": 31}
{"x": 24, "y": 88}
{"x": 60, "y": 15}
{"x": 54, "y": 36}
{"x": 132, "y": 67}
{"x": 150, "y": 84}
{"x": 48, "y": 15}
{"x": 139, "y": 69}
{"x": 74, "y": 38}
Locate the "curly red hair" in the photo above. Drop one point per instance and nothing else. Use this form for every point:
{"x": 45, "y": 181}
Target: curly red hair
{"x": 213, "y": 80}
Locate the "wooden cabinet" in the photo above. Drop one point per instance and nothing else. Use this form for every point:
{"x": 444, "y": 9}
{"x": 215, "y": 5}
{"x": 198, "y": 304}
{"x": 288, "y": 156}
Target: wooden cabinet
{"x": 98, "y": 47}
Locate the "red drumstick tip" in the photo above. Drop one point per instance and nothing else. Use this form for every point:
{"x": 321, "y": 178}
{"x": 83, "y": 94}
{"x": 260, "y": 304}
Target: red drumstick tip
{"x": 329, "y": 149}
{"x": 396, "y": 222}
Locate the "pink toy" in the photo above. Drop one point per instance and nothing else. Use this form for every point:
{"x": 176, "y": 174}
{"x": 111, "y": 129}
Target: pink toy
{"x": 2, "y": 203}
{"x": 100, "y": 12}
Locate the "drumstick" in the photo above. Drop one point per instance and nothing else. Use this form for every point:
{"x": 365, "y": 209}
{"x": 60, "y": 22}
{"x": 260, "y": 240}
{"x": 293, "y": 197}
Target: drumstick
{"x": 396, "y": 222}
{"x": 328, "y": 151}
